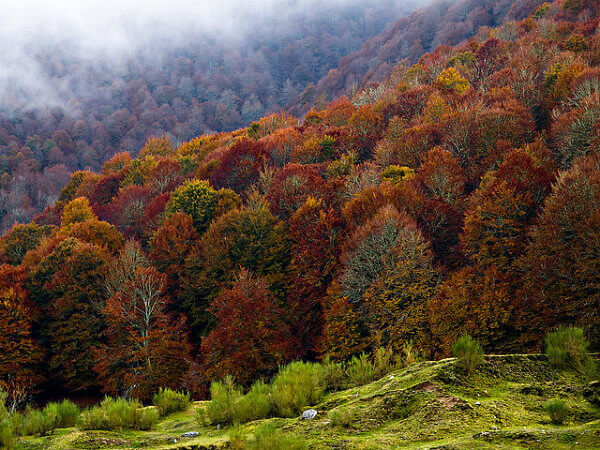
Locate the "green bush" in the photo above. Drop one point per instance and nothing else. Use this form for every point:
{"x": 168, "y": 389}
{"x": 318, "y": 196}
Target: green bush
{"x": 296, "y": 386}
{"x": 63, "y": 414}
{"x": 360, "y": 370}
{"x": 268, "y": 437}
{"x": 117, "y": 414}
{"x": 7, "y": 434}
{"x": 169, "y": 401}
{"x": 384, "y": 362}
{"x": 334, "y": 375}
{"x": 340, "y": 417}
{"x": 93, "y": 419}
{"x": 557, "y": 410}
{"x": 237, "y": 439}
{"x": 469, "y": 352}
{"x": 410, "y": 354}
{"x": 256, "y": 404}
{"x": 229, "y": 405}
{"x": 37, "y": 423}
{"x": 4, "y": 413}
{"x": 567, "y": 347}
{"x": 224, "y": 399}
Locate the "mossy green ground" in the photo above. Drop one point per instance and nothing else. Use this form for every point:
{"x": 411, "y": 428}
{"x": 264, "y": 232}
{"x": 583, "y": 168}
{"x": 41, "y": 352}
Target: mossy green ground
{"x": 426, "y": 405}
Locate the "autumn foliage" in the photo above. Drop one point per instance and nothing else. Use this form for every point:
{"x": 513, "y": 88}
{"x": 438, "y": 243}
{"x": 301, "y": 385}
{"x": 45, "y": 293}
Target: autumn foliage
{"x": 460, "y": 196}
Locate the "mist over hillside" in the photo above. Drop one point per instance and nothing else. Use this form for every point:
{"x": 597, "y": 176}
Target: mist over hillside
{"x": 47, "y": 46}
{"x": 81, "y": 81}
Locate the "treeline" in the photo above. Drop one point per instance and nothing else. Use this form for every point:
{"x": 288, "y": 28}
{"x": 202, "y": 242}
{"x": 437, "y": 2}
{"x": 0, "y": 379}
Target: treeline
{"x": 461, "y": 196}
{"x": 203, "y": 84}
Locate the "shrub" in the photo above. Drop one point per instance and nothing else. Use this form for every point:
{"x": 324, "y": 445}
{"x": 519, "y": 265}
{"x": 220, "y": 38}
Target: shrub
{"x": 116, "y": 414}
{"x": 297, "y": 385}
{"x": 334, "y": 375}
{"x": 224, "y": 398}
{"x": 384, "y": 362}
{"x": 557, "y": 410}
{"x": 567, "y": 347}
{"x": 62, "y": 414}
{"x": 360, "y": 370}
{"x": 229, "y": 405}
{"x": 410, "y": 353}
{"x": 256, "y": 404}
{"x": 268, "y": 437}
{"x": 37, "y": 423}
{"x": 469, "y": 352}
{"x": 7, "y": 434}
{"x": 168, "y": 401}
{"x": 237, "y": 439}
{"x": 340, "y": 417}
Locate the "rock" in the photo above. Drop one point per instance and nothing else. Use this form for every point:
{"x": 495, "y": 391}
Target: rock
{"x": 309, "y": 414}
{"x": 477, "y": 403}
{"x": 190, "y": 434}
{"x": 495, "y": 428}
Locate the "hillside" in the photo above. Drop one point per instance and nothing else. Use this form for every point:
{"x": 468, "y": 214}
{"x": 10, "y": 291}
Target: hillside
{"x": 426, "y": 405}
{"x": 70, "y": 102}
{"x": 407, "y": 39}
{"x": 459, "y": 196}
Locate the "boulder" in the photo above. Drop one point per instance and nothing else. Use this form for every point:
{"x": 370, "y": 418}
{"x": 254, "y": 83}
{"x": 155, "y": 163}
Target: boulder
{"x": 190, "y": 434}
{"x": 309, "y": 414}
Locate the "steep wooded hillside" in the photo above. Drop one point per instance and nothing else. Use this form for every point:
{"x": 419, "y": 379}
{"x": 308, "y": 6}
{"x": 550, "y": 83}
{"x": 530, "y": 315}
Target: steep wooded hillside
{"x": 66, "y": 107}
{"x": 407, "y": 39}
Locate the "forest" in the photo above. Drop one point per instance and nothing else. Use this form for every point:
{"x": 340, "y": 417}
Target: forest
{"x": 83, "y": 106}
{"x": 459, "y": 195}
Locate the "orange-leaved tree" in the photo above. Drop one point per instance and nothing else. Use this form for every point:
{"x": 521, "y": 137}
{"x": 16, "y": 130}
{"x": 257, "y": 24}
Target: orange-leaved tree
{"x": 146, "y": 347}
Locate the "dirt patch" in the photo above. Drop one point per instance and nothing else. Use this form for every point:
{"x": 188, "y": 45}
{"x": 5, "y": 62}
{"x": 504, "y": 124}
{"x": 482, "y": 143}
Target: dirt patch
{"x": 441, "y": 398}
{"x": 90, "y": 441}
{"x": 426, "y": 387}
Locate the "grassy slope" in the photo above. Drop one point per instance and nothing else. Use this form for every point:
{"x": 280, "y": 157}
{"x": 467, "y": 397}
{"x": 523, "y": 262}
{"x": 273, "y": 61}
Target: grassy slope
{"x": 426, "y": 405}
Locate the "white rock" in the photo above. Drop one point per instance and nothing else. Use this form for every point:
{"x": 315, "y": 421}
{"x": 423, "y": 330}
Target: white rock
{"x": 309, "y": 414}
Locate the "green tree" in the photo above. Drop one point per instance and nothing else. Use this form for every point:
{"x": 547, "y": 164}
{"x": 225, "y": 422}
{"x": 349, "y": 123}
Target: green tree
{"x": 197, "y": 199}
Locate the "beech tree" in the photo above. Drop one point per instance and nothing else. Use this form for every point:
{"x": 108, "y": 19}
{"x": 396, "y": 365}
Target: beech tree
{"x": 316, "y": 234}
{"x": 291, "y": 186}
{"x": 171, "y": 245}
{"x": 561, "y": 261}
{"x": 146, "y": 347}
{"x": 20, "y": 239}
{"x": 476, "y": 301}
{"x": 250, "y": 237}
{"x": 367, "y": 251}
{"x": 197, "y": 199}
{"x": 344, "y": 334}
{"x": 76, "y": 293}
{"x": 251, "y": 338}
{"x": 21, "y": 356}
{"x": 395, "y": 301}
